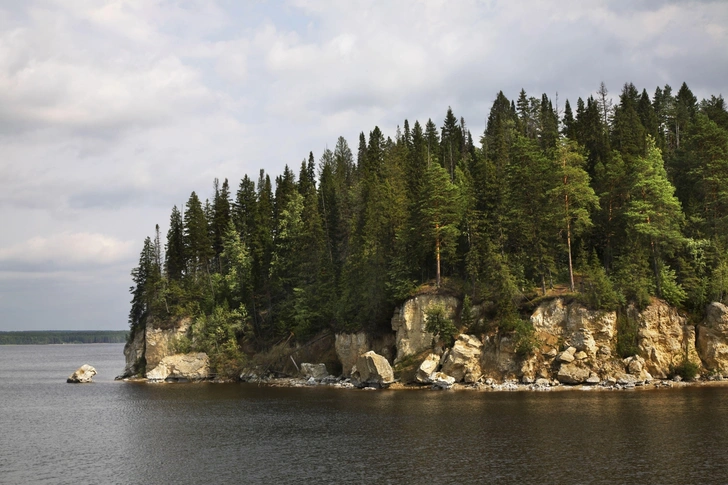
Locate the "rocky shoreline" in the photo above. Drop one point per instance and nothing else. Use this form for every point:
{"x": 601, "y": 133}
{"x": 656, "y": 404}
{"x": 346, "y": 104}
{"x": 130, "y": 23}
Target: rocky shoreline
{"x": 573, "y": 347}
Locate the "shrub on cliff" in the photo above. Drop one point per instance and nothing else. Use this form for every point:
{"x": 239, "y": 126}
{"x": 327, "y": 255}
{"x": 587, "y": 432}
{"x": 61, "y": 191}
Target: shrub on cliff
{"x": 438, "y": 324}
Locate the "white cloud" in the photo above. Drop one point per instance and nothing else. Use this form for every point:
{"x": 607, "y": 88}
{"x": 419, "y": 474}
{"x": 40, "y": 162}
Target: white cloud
{"x": 67, "y": 249}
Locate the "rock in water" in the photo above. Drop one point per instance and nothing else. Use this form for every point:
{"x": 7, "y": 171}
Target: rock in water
{"x": 373, "y": 369}
{"x": 83, "y": 374}
{"x": 315, "y": 371}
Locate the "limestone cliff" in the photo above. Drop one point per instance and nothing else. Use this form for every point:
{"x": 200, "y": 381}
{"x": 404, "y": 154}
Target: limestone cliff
{"x": 150, "y": 345}
{"x": 574, "y": 344}
{"x": 409, "y": 322}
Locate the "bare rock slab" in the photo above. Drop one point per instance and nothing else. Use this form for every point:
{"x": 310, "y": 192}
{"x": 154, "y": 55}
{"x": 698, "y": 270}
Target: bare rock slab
{"x": 82, "y": 375}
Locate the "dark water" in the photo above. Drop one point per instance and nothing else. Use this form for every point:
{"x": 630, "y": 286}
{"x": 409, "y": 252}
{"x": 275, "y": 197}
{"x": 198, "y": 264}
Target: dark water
{"x": 116, "y": 432}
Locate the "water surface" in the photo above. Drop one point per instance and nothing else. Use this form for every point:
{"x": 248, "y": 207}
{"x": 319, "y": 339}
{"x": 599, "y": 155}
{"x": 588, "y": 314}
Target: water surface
{"x": 117, "y": 432}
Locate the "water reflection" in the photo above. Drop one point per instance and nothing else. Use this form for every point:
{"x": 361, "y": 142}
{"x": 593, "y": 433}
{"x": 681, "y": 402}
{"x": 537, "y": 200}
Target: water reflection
{"x": 206, "y": 433}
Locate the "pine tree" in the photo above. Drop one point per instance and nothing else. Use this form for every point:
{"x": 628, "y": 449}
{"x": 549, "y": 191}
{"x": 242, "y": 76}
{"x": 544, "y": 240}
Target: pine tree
{"x": 441, "y": 211}
{"x": 654, "y": 213}
{"x": 575, "y": 195}
{"x": 175, "y": 257}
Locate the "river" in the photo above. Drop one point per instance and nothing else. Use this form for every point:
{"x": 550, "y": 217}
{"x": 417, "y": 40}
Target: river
{"x": 112, "y": 432}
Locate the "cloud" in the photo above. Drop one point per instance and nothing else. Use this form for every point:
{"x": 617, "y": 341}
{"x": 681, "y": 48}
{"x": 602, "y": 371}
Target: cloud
{"x": 65, "y": 250}
{"x": 113, "y": 111}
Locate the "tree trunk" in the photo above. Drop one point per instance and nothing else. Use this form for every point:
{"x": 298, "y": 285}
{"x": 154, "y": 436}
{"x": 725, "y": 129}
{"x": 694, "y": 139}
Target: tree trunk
{"x": 568, "y": 245}
{"x": 437, "y": 254}
{"x": 656, "y": 269}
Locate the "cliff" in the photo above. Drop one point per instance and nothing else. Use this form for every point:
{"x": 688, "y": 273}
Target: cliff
{"x": 571, "y": 344}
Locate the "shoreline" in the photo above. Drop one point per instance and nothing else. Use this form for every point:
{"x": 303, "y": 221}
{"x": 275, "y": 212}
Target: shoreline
{"x": 507, "y": 386}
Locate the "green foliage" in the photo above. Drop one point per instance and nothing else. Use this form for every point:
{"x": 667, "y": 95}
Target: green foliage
{"x": 439, "y": 325}
{"x": 599, "y": 292}
{"x": 340, "y": 245}
{"x": 466, "y": 314}
{"x": 627, "y": 335}
{"x": 216, "y": 335}
{"x": 672, "y": 292}
{"x": 686, "y": 369}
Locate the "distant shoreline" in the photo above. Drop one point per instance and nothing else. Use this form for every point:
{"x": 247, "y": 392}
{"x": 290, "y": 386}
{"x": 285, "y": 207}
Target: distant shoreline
{"x": 49, "y": 337}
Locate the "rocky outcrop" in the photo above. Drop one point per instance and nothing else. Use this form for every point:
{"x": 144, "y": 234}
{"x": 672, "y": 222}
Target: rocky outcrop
{"x": 349, "y": 346}
{"x": 160, "y": 340}
{"x": 315, "y": 371}
{"x": 372, "y": 370}
{"x": 664, "y": 338}
{"x": 83, "y": 374}
{"x": 427, "y": 368}
{"x": 712, "y": 341}
{"x": 577, "y": 344}
{"x": 177, "y": 367}
{"x": 409, "y": 323}
{"x": 462, "y": 362}
{"x": 148, "y": 346}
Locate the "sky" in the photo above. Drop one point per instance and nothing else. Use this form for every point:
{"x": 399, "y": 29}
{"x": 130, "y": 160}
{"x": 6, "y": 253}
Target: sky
{"x": 112, "y": 112}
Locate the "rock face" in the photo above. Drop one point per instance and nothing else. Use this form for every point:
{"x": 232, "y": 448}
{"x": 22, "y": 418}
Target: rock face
{"x": 373, "y": 370}
{"x": 712, "y": 340}
{"x": 664, "y": 337}
{"x": 317, "y": 371}
{"x": 82, "y": 375}
{"x": 133, "y": 353}
{"x": 427, "y": 368}
{"x": 349, "y": 346}
{"x": 463, "y": 361}
{"x": 409, "y": 323}
{"x": 148, "y": 347}
{"x": 192, "y": 367}
{"x": 579, "y": 344}
{"x": 159, "y": 340}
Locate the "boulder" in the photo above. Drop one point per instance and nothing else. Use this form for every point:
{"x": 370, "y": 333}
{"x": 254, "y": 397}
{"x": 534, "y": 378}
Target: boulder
{"x": 315, "y": 371}
{"x": 572, "y": 374}
{"x": 349, "y": 346}
{"x": 427, "y": 368}
{"x": 373, "y": 370}
{"x": 463, "y": 361}
{"x": 409, "y": 322}
{"x": 712, "y": 342}
{"x": 440, "y": 380}
{"x": 565, "y": 356}
{"x": 82, "y": 375}
{"x": 192, "y": 366}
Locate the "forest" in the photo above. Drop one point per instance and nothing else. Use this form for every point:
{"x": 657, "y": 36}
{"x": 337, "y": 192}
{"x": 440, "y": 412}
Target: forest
{"x": 44, "y": 337}
{"x": 613, "y": 201}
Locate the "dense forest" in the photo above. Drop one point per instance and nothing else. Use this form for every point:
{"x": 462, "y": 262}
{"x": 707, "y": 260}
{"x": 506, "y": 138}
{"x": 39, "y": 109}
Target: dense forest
{"x": 64, "y": 337}
{"x": 610, "y": 201}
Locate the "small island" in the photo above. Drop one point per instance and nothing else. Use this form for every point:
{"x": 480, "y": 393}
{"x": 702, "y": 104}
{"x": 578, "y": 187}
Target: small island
{"x": 585, "y": 246}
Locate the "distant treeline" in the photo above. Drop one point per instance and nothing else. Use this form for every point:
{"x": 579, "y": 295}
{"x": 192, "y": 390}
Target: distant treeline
{"x": 64, "y": 337}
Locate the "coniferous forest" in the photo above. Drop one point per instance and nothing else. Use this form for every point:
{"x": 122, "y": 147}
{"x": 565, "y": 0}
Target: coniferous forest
{"x": 612, "y": 201}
